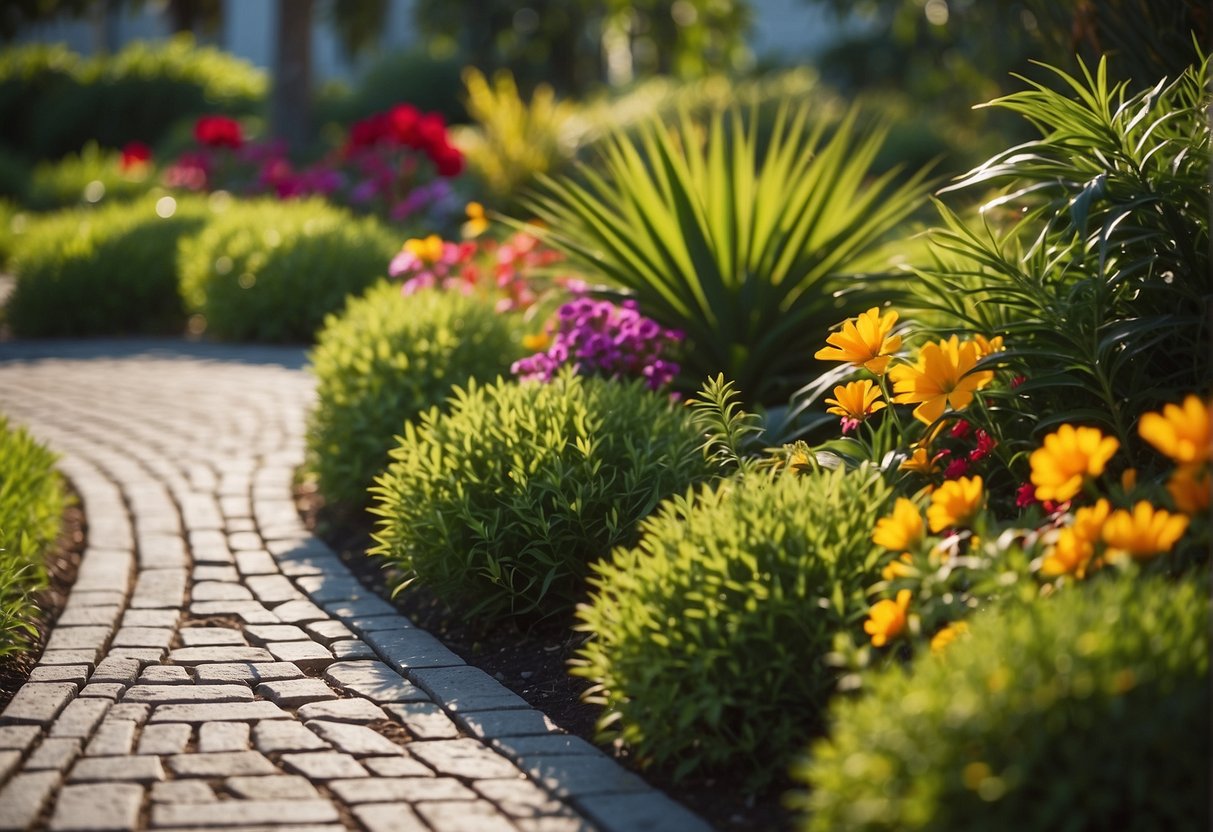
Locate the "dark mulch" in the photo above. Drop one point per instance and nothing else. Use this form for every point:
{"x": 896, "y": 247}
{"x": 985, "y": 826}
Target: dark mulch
{"x": 534, "y": 664}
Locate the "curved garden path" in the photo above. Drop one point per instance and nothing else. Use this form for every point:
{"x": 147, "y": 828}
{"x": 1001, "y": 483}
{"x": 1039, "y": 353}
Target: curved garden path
{"x": 216, "y": 666}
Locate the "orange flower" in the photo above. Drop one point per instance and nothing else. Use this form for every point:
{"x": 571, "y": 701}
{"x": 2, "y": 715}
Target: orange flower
{"x": 988, "y": 346}
{"x": 886, "y": 619}
{"x": 954, "y": 503}
{"x": 947, "y": 635}
{"x": 857, "y": 400}
{"x": 864, "y": 341}
{"x": 1067, "y": 457}
{"x": 1181, "y": 432}
{"x": 427, "y": 250}
{"x": 1189, "y": 487}
{"x": 1075, "y": 546}
{"x": 536, "y": 342}
{"x": 1143, "y": 533}
{"x": 940, "y": 378}
{"x": 903, "y": 567}
{"x": 477, "y": 223}
{"x": 900, "y": 530}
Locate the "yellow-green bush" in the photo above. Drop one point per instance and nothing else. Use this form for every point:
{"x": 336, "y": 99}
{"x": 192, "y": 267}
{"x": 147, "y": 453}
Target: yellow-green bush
{"x": 502, "y": 503}
{"x": 91, "y": 176}
{"x": 1086, "y": 711}
{"x": 271, "y": 271}
{"x": 708, "y": 639}
{"x": 31, "y": 507}
{"x": 110, "y": 270}
{"x": 383, "y": 360}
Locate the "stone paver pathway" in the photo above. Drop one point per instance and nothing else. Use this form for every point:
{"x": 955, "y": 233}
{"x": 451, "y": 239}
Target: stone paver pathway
{"x": 218, "y": 667}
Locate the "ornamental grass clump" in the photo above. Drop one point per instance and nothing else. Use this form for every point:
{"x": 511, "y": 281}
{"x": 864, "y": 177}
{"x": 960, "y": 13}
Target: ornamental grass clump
{"x": 1087, "y": 710}
{"x": 31, "y": 507}
{"x": 501, "y": 504}
{"x": 709, "y": 640}
{"x": 272, "y": 271}
{"x": 386, "y": 358}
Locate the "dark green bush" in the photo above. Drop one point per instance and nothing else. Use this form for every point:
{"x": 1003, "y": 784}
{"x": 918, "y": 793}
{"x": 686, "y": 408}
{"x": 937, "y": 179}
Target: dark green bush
{"x": 110, "y": 270}
{"x": 1087, "y": 711}
{"x": 31, "y": 507}
{"x": 271, "y": 271}
{"x": 708, "y": 639}
{"x": 386, "y": 358}
{"x": 53, "y": 101}
{"x": 413, "y": 77}
{"x": 502, "y": 503}
{"x": 88, "y": 177}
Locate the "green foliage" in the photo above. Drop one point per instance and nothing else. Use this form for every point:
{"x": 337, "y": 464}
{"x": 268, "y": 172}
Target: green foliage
{"x": 414, "y": 77}
{"x": 53, "y": 101}
{"x": 1094, "y": 258}
{"x": 31, "y": 506}
{"x": 743, "y": 247}
{"x": 1089, "y": 710}
{"x": 103, "y": 271}
{"x": 386, "y": 358}
{"x": 709, "y": 639}
{"x": 90, "y": 176}
{"x": 503, "y": 503}
{"x": 730, "y": 432}
{"x": 271, "y": 271}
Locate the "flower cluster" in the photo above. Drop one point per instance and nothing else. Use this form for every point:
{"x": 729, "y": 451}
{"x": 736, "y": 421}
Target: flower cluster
{"x": 598, "y": 337}
{"x": 404, "y": 126}
{"x": 511, "y": 270}
{"x": 218, "y": 131}
{"x": 135, "y": 159}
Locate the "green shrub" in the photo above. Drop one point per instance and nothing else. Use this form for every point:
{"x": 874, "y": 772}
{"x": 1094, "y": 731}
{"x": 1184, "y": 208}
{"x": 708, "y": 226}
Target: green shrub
{"x": 52, "y": 101}
{"x": 709, "y": 638}
{"x": 271, "y": 271}
{"x": 399, "y": 77}
{"x": 110, "y": 270}
{"x": 1089, "y": 710}
{"x": 386, "y": 358}
{"x": 90, "y": 176}
{"x": 502, "y": 504}
{"x": 31, "y": 507}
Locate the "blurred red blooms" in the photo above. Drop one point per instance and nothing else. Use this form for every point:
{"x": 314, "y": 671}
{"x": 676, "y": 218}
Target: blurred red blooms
{"x": 135, "y": 155}
{"x": 218, "y": 131}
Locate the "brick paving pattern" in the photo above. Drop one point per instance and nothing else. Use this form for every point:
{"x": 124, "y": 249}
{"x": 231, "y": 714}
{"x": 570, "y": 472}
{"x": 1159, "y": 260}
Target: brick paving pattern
{"x": 217, "y": 667}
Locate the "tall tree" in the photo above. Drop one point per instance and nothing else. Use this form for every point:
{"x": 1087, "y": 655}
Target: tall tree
{"x": 291, "y": 99}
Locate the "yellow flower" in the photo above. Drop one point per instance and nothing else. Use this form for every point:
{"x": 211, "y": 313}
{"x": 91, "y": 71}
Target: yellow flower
{"x": 1144, "y": 532}
{"x": 1066, "y": 458}
{"x": 864, "y": 341}
{"x": 857, "y": 400}
{"x": 1189, "y": 487}
{"x": 954, "y": 503}
{"x": 886, "y": 619}
{"x": 536, "y": 342}
{"x": 947, "y": 635}
{"x": 902, "y": 529}
{"x": 477, "y": 222}
{"x": 900, "y": 568}
{"x": 1075, "y": 546}
{"x": 920, "y": 461}
{"x": 941, "y": 378}
{"x": 988, "y": 346}
{"x": 428, "y": 250}
{"x": 1181, "y": 432}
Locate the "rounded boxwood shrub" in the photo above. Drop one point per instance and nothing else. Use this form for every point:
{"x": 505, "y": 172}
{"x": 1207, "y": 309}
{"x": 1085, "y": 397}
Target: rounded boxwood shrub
{"x": 386, "y": 358}
{"x": 1086, "y": 711}
{"x": 104, "y": 271}
{"x": 501, "y": 504}
{"x": 708, "y": 638}
{"x": 271, "y": 271}
{"x": 31, "y": 507}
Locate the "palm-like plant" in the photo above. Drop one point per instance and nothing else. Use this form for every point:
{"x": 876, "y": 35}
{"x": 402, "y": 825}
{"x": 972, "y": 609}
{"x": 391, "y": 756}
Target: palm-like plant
{"x": 747, "y": 246}
{"x": 1100, "y": 276}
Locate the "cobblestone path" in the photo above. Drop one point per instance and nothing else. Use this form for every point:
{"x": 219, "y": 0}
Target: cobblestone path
{"x": 218, "y": 667}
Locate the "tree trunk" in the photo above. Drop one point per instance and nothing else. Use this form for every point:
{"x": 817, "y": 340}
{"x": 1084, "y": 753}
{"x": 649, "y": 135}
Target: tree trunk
{"x": 290, "y": 106}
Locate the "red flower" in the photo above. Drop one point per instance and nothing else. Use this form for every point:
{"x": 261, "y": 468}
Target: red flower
{"x": 368, "y": 132}
{"x": 218, "y": 131}
{"x": 1025, "y": 496}
{"x": 134, "y": 156}
{"x": 431, "y": 133}
{"x": 403, "y": 121}
{"x": 960, "y": 430}
{"x": 956, "y": 468}
{"x": 448, "y": 160}
{"x": 985, "y": 446}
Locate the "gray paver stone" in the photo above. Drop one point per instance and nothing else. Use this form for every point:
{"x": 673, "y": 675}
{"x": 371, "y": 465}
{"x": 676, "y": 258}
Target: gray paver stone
{"x": 77, "y": 616}
{"x": 212, "y": 637}
{"x": 520, "y": 798}
{"x": 334, "y": 586}
{"x": 272, "y": 787}
{"x": 556, "y": 823}
{"x": 143, "y": 655}
{"x": 77, "y": 673}
{"x": 8, "y": 763}
{"x": 221, "y": 764}
{"x": 134, "y": 711}
{"x": 114, "y": 738}
{"x": 255, "y": 562}
{"x": 492, "y": 724}
{"x": 38, "y": 702}
{"x": 164, "y": 739}
{"x": 159, "y": 589}
{"x": 22, "y": 798}
{"x": 218, "y": 655}
{"x": 114, "y": 669}
{"x": 324, "y": 765}
{"x": 411, "y": 789}
{"x": 145, "y": 769}
{"x": 223, "y": 736}
{"x": 216, "y": 573}
{"x": 477, "y": 816}
{"x": 150, "y": 618}
{"x": 97, "y": 806}
{"x": 343, "y": 710}
{"x": 579, "y": 776}
{"x": 328, "y": 631}
{"x": 94, "y": 599}
{"x": 244, "y": 541}
{"x": 143, "y": 637}
{"x": 389, "y": 817}
{"x": 18, "y": 737}
{"x": 518, "y": 747}
{"x": 211, "y": 712}
{"x": 359, "y": 608}
{"x": 251, "y": 612}
{"x": 272, "y": 589}
{"x": 103, "y": 690}
{"x": 274, "y": 813}
{"x": 649, "y": 811}
{"x": 165, "y": 674}
{"x": 424, "y": 720}
{"x": 182, "y": 791}
{"x": 291, "y": 693}
{"x": 246, "y": 672}
{"x": 80, "y": 718}
{"x": 274, "y": 736}
{"x": 179, "y": 694}
{"x": 56, "y": 657}
{"x": 299, "y": 612}
{"x": 408, "y": 649}
{"x": 306, "y": 654}
{"x": 354, "y": 739}
{"x": 466, "y": 758}
{"x": 466, "y": 688}
{"x": 217, "y": 591}
{"x": 403, "y": 766}
{"x": 364, "y": 624}
{"x": 260, "y": 634}
{"x": 374, "y": 680}
{"x": 352, "y": 650}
